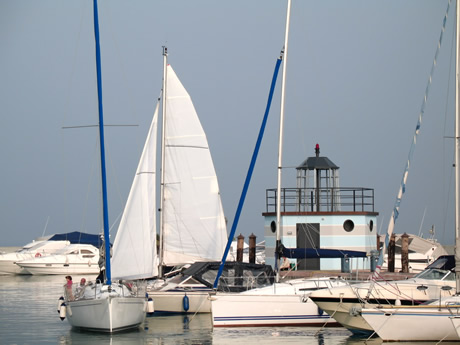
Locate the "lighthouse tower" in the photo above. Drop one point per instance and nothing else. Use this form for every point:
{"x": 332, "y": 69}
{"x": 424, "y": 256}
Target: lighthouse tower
{"x": 319, "y": 214}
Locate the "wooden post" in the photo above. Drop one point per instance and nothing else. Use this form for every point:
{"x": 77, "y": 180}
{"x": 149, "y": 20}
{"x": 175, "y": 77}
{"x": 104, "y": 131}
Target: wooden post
{"x": 391, "y": 253}
{"x": 239, "y": 248}
{"x": 405, "y": 253}
{"x": 252, "y": 249}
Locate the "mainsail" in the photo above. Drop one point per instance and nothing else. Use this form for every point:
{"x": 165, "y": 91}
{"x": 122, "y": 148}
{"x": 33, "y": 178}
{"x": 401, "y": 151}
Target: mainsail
{"x": 194, "y": 226}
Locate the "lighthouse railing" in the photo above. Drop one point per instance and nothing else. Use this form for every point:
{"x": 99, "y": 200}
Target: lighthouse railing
{"x": 343, "y": 199}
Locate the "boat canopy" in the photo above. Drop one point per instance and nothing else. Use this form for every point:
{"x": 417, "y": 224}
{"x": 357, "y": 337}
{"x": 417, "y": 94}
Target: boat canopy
{"x": 236, "y": 276}
{"x": 78, "y": 237}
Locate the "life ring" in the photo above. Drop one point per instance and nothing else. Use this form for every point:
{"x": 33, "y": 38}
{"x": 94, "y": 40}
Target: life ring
{"x": 37, "y": 255}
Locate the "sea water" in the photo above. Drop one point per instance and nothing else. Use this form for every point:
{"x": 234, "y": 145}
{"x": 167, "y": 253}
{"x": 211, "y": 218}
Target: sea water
{"x": 28, "y": 315}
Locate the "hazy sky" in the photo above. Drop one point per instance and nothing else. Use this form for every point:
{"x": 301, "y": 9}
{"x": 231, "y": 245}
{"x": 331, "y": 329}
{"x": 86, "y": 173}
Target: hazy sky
{"x": 356, "y": 77}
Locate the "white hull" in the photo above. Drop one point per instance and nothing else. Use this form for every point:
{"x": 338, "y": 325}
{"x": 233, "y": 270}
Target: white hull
{"x": 244, "y": 310}
{"x": 412, "y": 324}
{"x": 345, "y": 303}
{"x": 110, "y": 314}
{"x": 61, "y": 268}
{"x": 456, "y": 323}
{"x": 173, "y": 301}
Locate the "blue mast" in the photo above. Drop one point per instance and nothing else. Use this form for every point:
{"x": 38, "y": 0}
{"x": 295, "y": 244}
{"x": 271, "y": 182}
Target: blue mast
{"x": 250, "y": 170}
{"x": 102, "y": 147}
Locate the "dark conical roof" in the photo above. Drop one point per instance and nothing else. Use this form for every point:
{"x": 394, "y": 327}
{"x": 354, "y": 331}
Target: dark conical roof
{"x": 317, "y": 163}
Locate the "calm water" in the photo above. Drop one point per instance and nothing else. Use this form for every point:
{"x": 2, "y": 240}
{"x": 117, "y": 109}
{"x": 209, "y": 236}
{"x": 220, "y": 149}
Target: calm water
{"x": 28, "y": 315}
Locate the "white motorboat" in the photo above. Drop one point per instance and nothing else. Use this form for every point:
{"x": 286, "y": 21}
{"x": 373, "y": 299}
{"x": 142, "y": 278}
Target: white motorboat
{"x": 279, "y": 304}
{"x": 345, "y": 303}
{"x": 30, "y": 251}
{"x": 431, "y": 322}
{"x": 72, "y": 259}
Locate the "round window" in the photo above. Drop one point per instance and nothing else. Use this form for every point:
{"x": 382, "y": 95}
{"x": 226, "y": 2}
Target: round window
{"x": 273, "y": 226}
{"x": 348, "y": 225}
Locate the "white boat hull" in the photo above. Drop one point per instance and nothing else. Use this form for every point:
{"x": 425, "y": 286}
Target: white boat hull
{"x": 245, "y": 310}
{"x": 173, "y": 301}
{"x": 412, "y": 324}
{"x": 109, "y": 314}
{"x": 345, "y": 303}
{"x": 61, "y": 268}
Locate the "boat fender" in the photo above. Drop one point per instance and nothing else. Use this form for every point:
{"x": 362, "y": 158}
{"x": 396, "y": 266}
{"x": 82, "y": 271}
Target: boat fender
{"x": 37, "y": 255}
{"x": 186, "y": 303}
{"x": 150, "y": 307}
{"x": 60, "y": 301}
{"x": 89, "y": 263}
{"x": 397, "y": 302}
{"x": 320, "y": 311}
{"x": 62, "y": 311}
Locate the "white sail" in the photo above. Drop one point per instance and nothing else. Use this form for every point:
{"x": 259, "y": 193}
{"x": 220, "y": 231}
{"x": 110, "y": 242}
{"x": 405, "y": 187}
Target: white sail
{"x": 134, "y": 249}
{"x": 194, "y": 226}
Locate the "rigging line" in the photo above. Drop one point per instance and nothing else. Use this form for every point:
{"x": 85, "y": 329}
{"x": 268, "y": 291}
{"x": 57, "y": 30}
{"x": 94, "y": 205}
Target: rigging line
{"x": 402, "y": 188}
{"x": 90, "y": 126}
{"x": 449, "y": 189}
{"x": 250, "y": 171}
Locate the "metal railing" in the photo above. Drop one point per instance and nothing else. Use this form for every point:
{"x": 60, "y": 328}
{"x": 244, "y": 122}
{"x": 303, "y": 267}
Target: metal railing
{"x": 347, "y": 199}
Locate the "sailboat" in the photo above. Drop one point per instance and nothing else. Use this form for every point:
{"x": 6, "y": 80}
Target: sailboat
{"x": 192, "y": 222}
{"x": 105, "y": 306}
{"x": 345, "y": 304}
{"x": 438, "y": 320}
{"x": 279, "y": 303}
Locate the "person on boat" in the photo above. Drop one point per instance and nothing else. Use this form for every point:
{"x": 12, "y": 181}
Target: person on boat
{"x": 285, "y": 264}
{"x": 68, "y": 287}
{"x": 81, "y": 288}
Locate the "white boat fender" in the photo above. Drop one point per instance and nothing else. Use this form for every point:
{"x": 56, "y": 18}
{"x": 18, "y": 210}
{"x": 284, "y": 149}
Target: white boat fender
{"x": 60, "y": 301}
{"x": 186, "y": 303}
{"x": 150, "y": 307}
{"x": 397, "y": 302}
{"x": 62, "y": 311}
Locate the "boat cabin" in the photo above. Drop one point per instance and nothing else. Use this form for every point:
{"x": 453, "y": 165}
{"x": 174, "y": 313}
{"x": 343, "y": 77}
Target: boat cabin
{"x": 318, "y": 214}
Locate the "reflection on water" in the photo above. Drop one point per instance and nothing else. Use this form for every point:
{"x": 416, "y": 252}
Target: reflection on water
{"x": 28, "y": 315}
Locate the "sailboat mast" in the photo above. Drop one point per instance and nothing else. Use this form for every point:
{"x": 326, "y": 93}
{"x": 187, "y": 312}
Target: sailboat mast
{"x": 280, "y": 144}
{"x": 457, "y": 156}
{"x": 102, "y": 148}
{"x": 163, "y": 142}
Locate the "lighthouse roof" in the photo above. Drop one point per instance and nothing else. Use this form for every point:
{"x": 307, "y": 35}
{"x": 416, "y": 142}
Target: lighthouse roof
{"x": 312, "y": 163}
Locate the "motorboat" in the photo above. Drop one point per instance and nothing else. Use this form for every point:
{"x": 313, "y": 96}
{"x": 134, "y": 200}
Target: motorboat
{"x": 346, "y": 303}
{"x": 72, "y": 259}
{"x": 36, "y": 249}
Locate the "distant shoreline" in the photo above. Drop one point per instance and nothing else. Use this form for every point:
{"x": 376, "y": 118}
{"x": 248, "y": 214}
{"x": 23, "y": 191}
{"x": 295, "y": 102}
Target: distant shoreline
{"x": 9, "y": 249}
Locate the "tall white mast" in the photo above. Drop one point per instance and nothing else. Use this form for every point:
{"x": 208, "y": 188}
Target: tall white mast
{"x": 163, "y": 142}
{"x": 280, "y": 142}
{"x": 457, "y": 157}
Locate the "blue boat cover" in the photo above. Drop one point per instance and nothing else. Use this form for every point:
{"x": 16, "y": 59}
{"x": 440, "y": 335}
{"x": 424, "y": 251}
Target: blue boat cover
{"x": 78, "y": 237}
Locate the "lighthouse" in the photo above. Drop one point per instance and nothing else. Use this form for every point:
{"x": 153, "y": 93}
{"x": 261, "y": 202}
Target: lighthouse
{"x": 318, "y": 214}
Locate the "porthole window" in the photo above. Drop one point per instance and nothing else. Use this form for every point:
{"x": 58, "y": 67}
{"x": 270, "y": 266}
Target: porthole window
{"x": 273, "y": 226}
{"x": 371, "y": 225}
{"x": 348, "y": 225}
